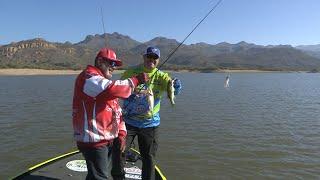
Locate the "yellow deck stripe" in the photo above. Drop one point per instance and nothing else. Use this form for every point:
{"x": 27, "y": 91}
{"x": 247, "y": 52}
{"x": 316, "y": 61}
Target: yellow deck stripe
{"x": 74, "y": 152}
{"x": 53, "y": 159}
{"x": 159, "y": 171}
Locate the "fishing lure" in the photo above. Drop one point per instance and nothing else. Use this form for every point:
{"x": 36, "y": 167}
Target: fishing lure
{"x": 226, "y": 82}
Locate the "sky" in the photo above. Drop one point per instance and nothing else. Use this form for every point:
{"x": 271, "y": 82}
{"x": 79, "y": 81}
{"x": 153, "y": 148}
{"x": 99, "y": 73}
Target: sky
{"x": 262, "y": 22}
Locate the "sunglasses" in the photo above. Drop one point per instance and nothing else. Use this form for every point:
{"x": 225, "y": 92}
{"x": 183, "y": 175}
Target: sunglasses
{"x": 112, "y": 64}
{"x": 152, "y": 56}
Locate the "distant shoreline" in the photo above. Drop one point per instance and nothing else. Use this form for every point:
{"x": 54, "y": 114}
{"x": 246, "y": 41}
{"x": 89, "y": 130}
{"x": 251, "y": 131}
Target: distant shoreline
{"x": 236, "y": 71}
{"x": 30, "y": 72}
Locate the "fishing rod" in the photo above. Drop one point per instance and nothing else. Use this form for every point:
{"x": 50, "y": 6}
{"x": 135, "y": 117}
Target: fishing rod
{"x": 104, "y": 29}
{"x": 174, "y": 50}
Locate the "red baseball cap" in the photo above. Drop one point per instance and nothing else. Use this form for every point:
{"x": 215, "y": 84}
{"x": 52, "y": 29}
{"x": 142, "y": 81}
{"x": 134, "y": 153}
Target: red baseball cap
{"x": 109, "y": 55}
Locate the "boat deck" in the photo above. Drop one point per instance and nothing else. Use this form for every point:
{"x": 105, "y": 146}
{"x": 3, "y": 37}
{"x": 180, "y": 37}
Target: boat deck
{"x": 72, "y": 166}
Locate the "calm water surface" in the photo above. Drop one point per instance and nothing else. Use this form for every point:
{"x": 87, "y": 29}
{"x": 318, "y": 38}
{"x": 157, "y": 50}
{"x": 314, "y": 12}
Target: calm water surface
{"x": 265, "y": 126}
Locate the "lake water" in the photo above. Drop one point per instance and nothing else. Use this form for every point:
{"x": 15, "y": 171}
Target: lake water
{"x": 265, "y": 126}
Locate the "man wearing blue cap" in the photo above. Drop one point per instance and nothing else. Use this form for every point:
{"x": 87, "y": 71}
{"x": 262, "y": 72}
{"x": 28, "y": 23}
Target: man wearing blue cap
{"x": 141, "y": 109}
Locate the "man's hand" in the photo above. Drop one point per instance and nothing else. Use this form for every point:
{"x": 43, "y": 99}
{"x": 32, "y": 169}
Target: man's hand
{"x": 177, "y": 86}
{"x": 142, "y": 78}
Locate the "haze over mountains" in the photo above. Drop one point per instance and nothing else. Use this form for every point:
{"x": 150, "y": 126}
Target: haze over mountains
{"x": 39, "y": 53}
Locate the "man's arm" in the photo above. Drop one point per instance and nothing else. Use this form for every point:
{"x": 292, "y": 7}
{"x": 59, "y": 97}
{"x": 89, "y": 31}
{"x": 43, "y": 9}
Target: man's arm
{"x": 97, "y": 84}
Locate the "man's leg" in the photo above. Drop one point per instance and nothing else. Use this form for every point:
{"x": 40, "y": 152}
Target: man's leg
{"x": 131, "y": 134}
{"x": 118, "y": 158}
{"x": 97, "y": 162}
{"x": 117, "y": 170}
{"x": 148, "y": 144}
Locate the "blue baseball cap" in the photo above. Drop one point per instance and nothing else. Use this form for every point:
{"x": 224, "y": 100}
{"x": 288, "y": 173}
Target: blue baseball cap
{"x": 152, "y": 50}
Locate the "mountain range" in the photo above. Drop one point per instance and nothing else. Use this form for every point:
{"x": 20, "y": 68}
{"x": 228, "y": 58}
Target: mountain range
{"x": 39, "y": 53}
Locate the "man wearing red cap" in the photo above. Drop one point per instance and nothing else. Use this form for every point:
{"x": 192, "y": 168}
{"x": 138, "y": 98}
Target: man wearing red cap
{"x": 97, "y": 117}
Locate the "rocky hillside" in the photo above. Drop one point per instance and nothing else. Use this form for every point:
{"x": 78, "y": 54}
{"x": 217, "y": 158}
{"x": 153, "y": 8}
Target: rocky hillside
{"x": 39, "y": 53}
{"x": 313, "y": 50}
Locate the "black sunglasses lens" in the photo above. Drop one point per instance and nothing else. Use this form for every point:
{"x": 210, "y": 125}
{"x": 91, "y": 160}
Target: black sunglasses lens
{"x": 152, "y": 56}
{"x": 112, "y": 63}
